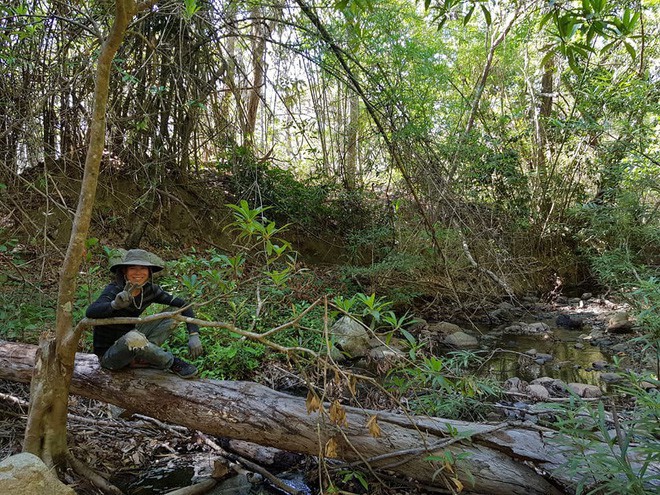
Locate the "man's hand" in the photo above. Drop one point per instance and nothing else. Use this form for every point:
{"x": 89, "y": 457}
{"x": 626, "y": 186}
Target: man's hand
{"x": 123, "y": 299}
{"x": 195, "y": 348}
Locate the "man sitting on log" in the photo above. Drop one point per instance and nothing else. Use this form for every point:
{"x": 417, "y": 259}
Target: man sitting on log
{"x": 129, "y": 295}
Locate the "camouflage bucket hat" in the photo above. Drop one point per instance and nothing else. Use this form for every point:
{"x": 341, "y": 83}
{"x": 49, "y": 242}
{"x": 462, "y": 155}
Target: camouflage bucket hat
{"x": 139, "y": 257}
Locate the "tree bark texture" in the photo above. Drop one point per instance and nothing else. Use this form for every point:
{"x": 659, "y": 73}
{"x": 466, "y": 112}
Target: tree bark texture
{"x": 258, "y": 71}
{"x": 501, "y": 460}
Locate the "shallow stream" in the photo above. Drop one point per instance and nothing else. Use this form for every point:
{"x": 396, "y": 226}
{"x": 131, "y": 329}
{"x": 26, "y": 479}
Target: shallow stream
{"x": 570, "y": 364}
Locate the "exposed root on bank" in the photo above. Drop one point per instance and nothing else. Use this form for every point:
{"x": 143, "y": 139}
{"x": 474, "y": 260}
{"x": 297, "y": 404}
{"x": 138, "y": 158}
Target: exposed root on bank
{"x": 96, "y": 479}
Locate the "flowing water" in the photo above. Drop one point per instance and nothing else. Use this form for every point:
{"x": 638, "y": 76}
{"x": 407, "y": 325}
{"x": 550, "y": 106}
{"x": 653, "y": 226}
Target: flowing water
{"x": 573, "y": 357}
{"x": 570, "y": 364}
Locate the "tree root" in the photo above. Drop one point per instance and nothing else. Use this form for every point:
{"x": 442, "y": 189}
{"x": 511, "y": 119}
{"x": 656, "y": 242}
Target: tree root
{"x": 96, "y": 479}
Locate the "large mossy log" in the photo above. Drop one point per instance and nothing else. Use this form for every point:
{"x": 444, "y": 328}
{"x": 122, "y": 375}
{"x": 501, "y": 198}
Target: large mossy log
{"x": 501, "y": 459}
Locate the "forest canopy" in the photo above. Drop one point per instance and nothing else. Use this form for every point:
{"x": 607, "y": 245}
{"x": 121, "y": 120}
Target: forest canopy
{"x": 497, "y": 135}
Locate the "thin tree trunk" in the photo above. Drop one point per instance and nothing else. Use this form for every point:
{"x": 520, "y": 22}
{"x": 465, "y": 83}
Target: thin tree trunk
{"x": 481, "y": 86}
{"x": 258, "y": 61}
{"x": 540, "y": 120}
{"x": 351, "y": 159}
{"x": 45, "y": 434}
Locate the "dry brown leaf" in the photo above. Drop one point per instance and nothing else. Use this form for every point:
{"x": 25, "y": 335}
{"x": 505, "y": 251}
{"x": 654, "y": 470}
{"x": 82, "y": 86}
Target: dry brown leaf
{"x": 457, "y": 483}
{"x": 338, "y": 414}
{"x": 312, "y": 402}
{"x": 331, "y": 448}
{"x": 352, "y": 384}
{"x": 372, "y": 424}
{"x": 220, "y": 469}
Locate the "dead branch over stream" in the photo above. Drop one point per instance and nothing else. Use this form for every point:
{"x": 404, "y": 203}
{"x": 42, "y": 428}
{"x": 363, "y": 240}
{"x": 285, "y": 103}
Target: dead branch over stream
{"x": 503, "y": 459}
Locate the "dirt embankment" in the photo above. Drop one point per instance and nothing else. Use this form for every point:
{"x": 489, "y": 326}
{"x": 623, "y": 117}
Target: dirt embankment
{"x": 170, "y": 214}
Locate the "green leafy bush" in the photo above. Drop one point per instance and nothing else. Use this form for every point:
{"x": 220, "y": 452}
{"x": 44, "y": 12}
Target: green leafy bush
{"x": 24, "y": 320}
{"x": 271, "y": 187}
{"x": 444, "y": 386}
{"x": 610, "y": 457}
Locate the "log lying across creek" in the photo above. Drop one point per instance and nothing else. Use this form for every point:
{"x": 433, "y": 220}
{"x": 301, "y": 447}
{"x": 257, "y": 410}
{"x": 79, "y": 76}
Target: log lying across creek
{"x": 501, "y": 459}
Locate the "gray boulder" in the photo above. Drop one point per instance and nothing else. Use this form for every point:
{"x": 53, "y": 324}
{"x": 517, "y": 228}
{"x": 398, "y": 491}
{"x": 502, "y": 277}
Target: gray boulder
{"x": 585, "y": 391}
{"x": 538, "y": 327}
{"x": 599, "y": 365}
{"x": 515, "y": 384}
{"x": 522, "y": 328}
{"x": 558, "y": 387}
{"x": 619, "y": 323}
{"x": 386, "y": 353}
{"x": 461, "y": 340}
{"x": 26, "y": 474}
{"x": 444, "y": 328}
{"x": 542, "y": 358}
{"x": 516, "y": 328}
{"x": 554, "y": 386}
{"x": 546, "y": 381}
{"x": 538, "y": 391}
{"x": 611, "y": 377}
{"x": 350, "y": 337}
{"x": 507, "y": 306}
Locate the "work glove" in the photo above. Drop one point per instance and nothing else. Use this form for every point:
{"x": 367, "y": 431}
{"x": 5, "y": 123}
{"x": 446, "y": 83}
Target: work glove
{"x": 123, "y": 299}
{"x": 195, "y": 348}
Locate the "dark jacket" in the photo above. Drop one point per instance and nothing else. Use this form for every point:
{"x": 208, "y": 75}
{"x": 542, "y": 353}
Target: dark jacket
{"x": 106, "y": 335}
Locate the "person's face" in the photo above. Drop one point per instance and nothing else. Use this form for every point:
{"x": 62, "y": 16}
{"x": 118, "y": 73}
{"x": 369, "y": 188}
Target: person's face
{"x": 137, "y": 275}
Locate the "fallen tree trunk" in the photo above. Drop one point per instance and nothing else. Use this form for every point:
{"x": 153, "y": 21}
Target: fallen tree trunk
{"x": 500, "y": 460}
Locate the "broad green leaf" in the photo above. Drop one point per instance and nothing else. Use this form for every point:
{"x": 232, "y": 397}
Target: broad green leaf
{"x": 468, "y": 15}
{"x": 409, "y": 337}
{"x": 630, "y": 49}
{"x": 547, "y": 17}
{"x": 487, "y": 15}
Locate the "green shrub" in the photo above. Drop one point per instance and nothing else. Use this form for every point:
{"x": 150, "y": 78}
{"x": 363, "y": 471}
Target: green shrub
{"x": 444, "y": 386}
{"x": 291, "y": 199}
{"x": 608, "y": 457}
{"x": 22, "y": 318}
